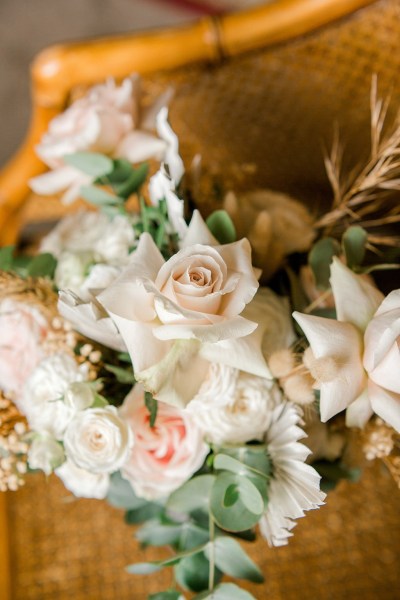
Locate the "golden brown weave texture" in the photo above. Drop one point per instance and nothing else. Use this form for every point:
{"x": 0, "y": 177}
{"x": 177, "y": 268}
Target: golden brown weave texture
{"x": 64, "y": 548}
{"x": 276, "y": 109}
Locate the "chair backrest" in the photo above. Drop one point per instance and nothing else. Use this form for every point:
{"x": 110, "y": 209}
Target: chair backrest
{"x": 261, "y": 88}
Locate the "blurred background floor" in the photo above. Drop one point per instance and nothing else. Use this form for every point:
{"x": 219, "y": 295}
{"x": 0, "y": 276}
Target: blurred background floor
{"x": 27, "y": 26}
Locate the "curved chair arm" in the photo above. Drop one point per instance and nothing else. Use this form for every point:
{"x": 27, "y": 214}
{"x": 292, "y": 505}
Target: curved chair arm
{"x": 59, "y": 69}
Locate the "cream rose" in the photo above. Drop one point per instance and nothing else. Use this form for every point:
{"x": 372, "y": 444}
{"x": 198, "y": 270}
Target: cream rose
{"x": 164, "y": 456}
{"x": 382, "y": 345}
{"x": 98, "y": 440}
{"x": 227, "y": 418}
{"x": 23, "y": 331}
{"x": 42, "y": 400}
{"x": 82, "y": 483}
{"x": 165, "y": 311}
{"x": 109, "y": 120}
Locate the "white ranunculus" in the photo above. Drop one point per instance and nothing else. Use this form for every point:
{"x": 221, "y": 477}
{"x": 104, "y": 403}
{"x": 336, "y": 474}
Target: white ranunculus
{"x": 82, "y": 483}
{"x": 236, "y": 417}
{"x": 98, "y": 440}
{"x": 71, "y": 270}
{"x": 163, "y": 456}
{"x": 109, "y": 119}
{"x": 166, "y": 311}
{"x": 42, "y": 398}
{"x": 107, "y": 240}
{"x": 45, "y": 453}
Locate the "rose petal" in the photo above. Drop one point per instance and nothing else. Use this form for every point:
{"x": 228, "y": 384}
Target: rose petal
{"x": 236, "y": 327}
{"x": 198, "y": 233}
{"x": 356, "y": 301}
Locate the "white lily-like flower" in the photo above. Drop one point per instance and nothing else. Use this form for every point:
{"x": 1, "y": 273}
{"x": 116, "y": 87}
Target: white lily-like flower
{"x": 357, "y": 356}
{"x": 162, "y": 186}
{"x": 294, "y": 486}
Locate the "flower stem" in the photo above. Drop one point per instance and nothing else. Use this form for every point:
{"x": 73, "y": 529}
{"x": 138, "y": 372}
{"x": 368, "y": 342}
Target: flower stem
{"x": 211, "y": 529}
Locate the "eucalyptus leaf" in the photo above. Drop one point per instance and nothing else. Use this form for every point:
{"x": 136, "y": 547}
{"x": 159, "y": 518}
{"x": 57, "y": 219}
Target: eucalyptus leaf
{"x": 98, "y": 196}
{"x": 245, "y": 512}
{"x": 157, "y": 534}
{"x": 320, "y": 258}
{"x": 354, "y": 242}
{"x": 144, "y": 568}
{"x": 233, "y": 560}
{"x": 225, "y": 591}
{"x": 192, "y": 572}
{"x": 192, "y": 535}
{"x": 193, "y": 495}
{"x": 91, "y": 163}
{"x": 42, "y": 265}
{"x": 142, "y": 513}
{"x": 251, "y": 458}
{"x": 221, "y": 226}
{"x": 121, "y": 494}
{"x": 121, "y": 171}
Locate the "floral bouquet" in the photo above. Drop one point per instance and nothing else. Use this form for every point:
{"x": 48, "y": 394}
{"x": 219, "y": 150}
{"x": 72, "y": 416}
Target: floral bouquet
{"x": 142, "y": 361}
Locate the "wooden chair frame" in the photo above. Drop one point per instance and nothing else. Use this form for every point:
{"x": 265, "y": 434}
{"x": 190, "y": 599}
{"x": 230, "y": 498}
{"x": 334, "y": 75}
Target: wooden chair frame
{"x": 59, "y": 69}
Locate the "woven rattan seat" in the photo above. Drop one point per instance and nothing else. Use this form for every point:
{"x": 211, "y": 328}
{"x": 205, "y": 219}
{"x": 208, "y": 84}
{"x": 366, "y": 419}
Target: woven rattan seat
{"x": 260, "y": 110}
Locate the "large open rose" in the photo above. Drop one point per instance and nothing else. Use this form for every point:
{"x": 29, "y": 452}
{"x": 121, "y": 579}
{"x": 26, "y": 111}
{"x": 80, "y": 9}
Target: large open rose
{"x": 163, "y": 456}
{"x": 170, "y": 312}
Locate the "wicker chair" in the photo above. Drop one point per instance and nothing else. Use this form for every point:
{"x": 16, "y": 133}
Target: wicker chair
{"x": 257, "y": 94}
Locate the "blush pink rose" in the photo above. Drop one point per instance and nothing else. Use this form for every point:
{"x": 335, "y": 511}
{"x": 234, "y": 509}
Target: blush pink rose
{"x": 163, "y": 456}
{"x": 23, "y": 331}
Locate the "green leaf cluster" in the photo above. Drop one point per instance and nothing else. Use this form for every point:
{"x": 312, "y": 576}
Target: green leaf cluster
{"x": 41, "y": 265}
{"x": 221, "y": 226}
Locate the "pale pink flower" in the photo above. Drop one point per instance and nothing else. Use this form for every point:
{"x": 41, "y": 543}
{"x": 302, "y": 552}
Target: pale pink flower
{"x": 163, "y": 456}
{"x": 23, "y": 331}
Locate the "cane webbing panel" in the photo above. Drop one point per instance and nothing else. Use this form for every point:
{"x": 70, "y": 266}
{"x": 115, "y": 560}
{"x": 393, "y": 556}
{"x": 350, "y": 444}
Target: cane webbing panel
{"x": 64, "y": 548}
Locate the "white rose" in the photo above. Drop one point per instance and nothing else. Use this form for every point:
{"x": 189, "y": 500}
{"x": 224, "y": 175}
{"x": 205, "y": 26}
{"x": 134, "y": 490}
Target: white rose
{"x": 42, "y": 399}
{"x": 98, "y": 440}
{"x": 196, "y": 297}
{"x": 71, "y": 270}
{"x": 164, "y": 456}
{"x": 79, "y": 395}
{"x": 237, "y": 418}
{"x": 45, "y": 453}
{"x": 109, "y": 120}
{"x": 82, "y": 483}
{"x": 382, "y": 345}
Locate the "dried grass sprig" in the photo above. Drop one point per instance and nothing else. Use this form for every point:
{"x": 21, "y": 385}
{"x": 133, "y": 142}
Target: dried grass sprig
{"x": 365, "y": 196}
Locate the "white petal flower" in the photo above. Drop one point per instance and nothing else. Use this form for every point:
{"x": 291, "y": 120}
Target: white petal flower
{"x": 233, "y": 407}
{"x": 45, "y": 453}
{"x": 98, "y": 440}
{"x": 294, "y": 486}
{"x": 42, "y": 399}
{"x": 82, "y": 483}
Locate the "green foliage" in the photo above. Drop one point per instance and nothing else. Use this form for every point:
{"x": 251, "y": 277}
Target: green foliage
{"x": 148, "y": 510}
{"x": 6, "y": 258}
{"x": 333, "y": 472}
{"x": 167, "y": 595}
{"x": 152, "y": 406}
{"x": 192, "y": 572}
{"x": 320, "y": 258}
{"x": 42, "y": 265}
{"x": 233, "y": 560}
{"x": 225, "y": 591}
{"x": 121, "y": 494}
{"x": 100, "y": 197}
{"x": 221, "y": 226}
{"x": 354, "y": 242}
{"x": 91, "y": 163}
{"x": 133, "y": 182}
{"x": 235, "y": 502}
{"x": 193, "y": 495}
{"x": 123, "y": 375}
